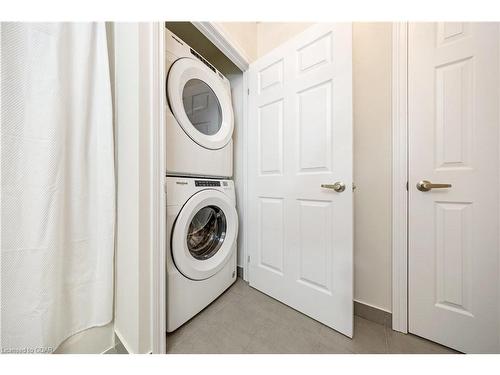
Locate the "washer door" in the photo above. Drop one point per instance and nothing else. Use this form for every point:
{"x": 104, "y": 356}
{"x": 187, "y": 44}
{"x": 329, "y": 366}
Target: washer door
{"x": 201, "y": 103}
{"x": 204, "y": 234}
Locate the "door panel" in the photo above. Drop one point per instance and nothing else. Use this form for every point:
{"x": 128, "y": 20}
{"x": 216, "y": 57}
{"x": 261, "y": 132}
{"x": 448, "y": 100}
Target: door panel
{"x": 270, "y": 128}
{"x": 300, "y": 110}
{"x": 315, "y": 237}
{"x": 315, "y": 125}
{"x": 271, "y": 242}
{"x": 453, "y": 138}
{"x": 453, "y": 255}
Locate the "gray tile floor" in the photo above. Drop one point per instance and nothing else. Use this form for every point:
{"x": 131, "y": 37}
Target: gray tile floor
{"x": 244, "y": 320}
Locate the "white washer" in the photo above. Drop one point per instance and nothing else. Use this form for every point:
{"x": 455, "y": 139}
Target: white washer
{"x": 199, "y": 114}
{"x": 202, "y": 228}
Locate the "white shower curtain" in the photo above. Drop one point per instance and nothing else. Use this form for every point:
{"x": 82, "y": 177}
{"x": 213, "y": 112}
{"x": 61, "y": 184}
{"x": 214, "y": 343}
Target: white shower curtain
{"x": 58, "y": 193}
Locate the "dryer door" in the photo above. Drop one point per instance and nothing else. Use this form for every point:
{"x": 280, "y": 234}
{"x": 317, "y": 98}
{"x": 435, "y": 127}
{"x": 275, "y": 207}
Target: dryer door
{"x": 204, "y": 234}
{"x": 201, "y": 103}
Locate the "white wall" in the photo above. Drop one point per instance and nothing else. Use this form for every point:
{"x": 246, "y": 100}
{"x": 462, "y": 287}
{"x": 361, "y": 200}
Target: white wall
{"x": 372, "y": 50}
{"x": 258, "y": 38}
{"x": 272, "y": 34}
{"x": 243, "y": 35}
{"x": 133, "y": 168}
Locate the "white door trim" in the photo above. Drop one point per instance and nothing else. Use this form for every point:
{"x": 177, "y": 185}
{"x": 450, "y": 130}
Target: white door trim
{"x": 400, "y": 177}
{"x": 223, "y": 41}
{"x": 158, "y": 202}
{"x": 243, "y": 231}
{"x": 499, "y": 192}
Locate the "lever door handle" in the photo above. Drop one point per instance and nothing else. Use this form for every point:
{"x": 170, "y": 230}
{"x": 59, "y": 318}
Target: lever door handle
{"x": 338, "y": 186}
{"x": 425, "y": 185}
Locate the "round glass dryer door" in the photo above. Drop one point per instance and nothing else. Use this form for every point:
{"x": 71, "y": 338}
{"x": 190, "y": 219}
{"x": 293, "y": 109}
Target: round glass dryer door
{"x": 201, "y": 103}
{"x": 202, "y": 107}
{"x": 204, "y": 234}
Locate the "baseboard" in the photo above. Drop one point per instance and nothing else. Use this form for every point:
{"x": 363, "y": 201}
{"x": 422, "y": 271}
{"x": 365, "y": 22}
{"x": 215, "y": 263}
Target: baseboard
{"x": 373, "y": 314}
{"x": 239, "y": 272}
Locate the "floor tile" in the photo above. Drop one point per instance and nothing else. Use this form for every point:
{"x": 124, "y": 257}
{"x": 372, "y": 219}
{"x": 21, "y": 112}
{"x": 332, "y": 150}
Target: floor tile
{"x": 244, "y": 320}
{"x": 369, "y": 337}
{"x": 291, "y": 332}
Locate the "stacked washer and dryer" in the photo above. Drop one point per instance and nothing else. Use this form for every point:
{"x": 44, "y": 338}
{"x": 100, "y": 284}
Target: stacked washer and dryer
{"x": 202, "y": 222}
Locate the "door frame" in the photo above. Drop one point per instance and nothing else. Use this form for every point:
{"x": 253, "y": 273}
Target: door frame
{"x": 156, "y": 86}
{"x": 399, "y": 176}
{"x": 153, "y": 43}
{"x": 224, "y": 43}
{"x": 400, "y": 167}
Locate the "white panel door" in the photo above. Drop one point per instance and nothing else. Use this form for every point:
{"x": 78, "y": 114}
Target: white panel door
{"x": 453, "y": 139}
{"x": 300, "y": 137}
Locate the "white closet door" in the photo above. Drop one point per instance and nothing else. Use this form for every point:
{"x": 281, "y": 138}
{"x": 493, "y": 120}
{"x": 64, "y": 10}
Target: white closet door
{"x": 300, "y": 137}
{"x": 453, "y": 139}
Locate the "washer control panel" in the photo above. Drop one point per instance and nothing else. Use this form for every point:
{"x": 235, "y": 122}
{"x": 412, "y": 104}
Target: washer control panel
{"x": 206, "y": 183}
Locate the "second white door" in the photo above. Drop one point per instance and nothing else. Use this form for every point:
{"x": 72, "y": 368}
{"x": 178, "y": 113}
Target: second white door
{"x": 454, "y": 139}
{"x": 300, "y": 138}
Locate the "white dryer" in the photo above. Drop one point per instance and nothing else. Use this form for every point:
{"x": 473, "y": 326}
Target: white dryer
{"x": 199, "y": 114}
{"x": 202, "y": 228}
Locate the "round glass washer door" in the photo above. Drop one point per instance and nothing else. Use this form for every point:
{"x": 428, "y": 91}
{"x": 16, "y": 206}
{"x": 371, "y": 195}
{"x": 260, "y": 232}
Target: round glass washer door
{"x": 201, "y": 103}
{"x": 204, "y": 234}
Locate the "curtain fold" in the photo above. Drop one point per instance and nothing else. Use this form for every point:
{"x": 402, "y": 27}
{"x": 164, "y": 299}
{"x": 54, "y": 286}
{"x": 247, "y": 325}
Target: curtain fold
{"x": 58, "y": 184}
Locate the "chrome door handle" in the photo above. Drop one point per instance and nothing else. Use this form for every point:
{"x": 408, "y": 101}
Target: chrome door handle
{"x": 425, "y": 185}
{"x": 338, "y": 186}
